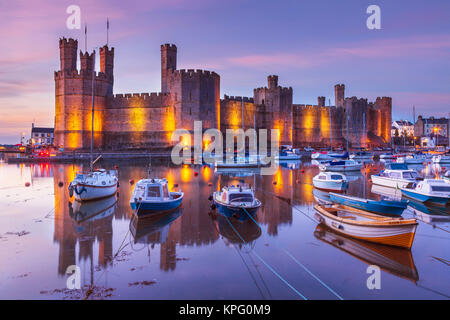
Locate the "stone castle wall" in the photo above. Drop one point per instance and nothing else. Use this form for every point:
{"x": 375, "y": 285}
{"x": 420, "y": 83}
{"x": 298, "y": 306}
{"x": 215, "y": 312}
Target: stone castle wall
{"x": 147, "y": 120}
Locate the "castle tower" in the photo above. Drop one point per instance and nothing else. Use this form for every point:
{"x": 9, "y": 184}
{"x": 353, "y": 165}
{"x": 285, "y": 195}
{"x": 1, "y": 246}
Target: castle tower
{"x": 272, "y": 82}
{"x": 68, "y": 54}
{"x": 73, "y": 96}
{"x": 168, "y": 64}
{"x": 339, "y": 95}
{"x": 321, "y": 101}
{"x": 275, "y": 105}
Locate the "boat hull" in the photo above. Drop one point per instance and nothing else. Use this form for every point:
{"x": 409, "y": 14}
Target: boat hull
{"x": 153, "y": 207}
{"x": 235, "y": 212}
{"x": 399, "y": 235}
{"x": 83, "y": 192}
{"x": 341, "y": 168}
{"x": 388, "y": 182}
{"x": 380, "y": 207}
{"x": 426, "y": 198}
{"x": 330, "y": 185}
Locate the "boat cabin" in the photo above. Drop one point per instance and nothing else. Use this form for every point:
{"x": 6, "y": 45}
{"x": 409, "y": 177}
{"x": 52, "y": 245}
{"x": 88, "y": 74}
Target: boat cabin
{"x": 326, "y": 176}
{"x": 152, "y": 189}
{"x": 239, "y": 193}
{"x": 399, "y": 171}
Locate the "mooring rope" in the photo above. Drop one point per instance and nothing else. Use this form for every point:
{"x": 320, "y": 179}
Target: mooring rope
{"x": 266, "y": 264}
{"x": 295, "y": 260}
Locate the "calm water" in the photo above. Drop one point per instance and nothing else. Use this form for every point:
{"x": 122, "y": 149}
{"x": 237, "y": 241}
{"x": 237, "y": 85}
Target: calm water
{"x": 192, "y": 254}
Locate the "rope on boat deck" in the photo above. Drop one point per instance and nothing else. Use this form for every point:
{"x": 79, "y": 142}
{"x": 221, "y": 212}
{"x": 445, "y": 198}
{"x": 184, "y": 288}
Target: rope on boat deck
{"x": 266, "y": 264}
{"x": 296, "y": 261}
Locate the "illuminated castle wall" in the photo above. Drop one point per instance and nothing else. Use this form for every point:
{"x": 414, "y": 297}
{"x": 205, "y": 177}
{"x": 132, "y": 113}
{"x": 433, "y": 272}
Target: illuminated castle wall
{"x": 147, "y": 120}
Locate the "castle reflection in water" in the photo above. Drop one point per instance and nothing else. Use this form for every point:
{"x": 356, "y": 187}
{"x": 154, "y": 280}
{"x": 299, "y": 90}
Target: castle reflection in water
{"x": 194, "y": 227}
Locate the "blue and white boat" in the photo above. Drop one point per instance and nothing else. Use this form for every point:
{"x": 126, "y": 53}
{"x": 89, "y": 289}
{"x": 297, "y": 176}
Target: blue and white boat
{"x": 361, "y": 155}
{"x": 153, "y": 196}
{"x": 236, "y": 201}
{"x": 433, "y": 191}
{"x": 328, "y": 155}
{"x": 383, "y": 207}
{"x": 341, "y": 165}
{"x": 289, "y": 153}
{"x": 447, "y": 176}
{"x": 440, "y": 158}
{"x": 330, "y": 181}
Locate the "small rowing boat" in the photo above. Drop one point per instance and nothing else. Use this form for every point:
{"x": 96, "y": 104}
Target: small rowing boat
{"x": 367, "y": 226}
{"x": 390, "y": 207}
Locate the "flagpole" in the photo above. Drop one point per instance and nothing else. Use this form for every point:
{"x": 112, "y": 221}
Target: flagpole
{"x": 85, "y": 37}
{"x": 107, "y": 31}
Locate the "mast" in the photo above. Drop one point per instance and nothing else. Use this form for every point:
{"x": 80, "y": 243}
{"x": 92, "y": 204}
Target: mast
{"x": 92, "y": 116}
{"x": 242, "y": 104}
{"x": 331, "y": 132}
{"x": 364, "y": 128}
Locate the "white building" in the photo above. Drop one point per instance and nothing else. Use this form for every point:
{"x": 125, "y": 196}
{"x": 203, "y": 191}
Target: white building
{"x": 403, "y": 126}
{"x": 44, "y": 136}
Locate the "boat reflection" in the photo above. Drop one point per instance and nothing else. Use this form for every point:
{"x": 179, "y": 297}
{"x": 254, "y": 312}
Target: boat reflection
{"x": 353, "y": 175}
{"x": 153, "y": 228}
{"x": 322, "y": 197}
{"x": 290, "y": 164}
{"x": 429, "y": 213}
{"x": 396, "y": 261}
{"x": 92, "y": 210}
{"x": 236, "y": 231}
{"x": 387, "y": 193}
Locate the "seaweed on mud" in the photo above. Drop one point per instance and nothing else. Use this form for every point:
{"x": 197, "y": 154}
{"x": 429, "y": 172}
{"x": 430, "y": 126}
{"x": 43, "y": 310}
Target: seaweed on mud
{"x": 86, "y": 292}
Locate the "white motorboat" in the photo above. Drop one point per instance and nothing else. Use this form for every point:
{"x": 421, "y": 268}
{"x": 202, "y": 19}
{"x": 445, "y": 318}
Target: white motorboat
{"x": 440, "y": 159}
{"x": 434, "y": 191}
{"x": 361, "y": 155}
{"x": 395, "y": 176}
{"x": 330, "y": 181}
{"x": 94, "y": 185}
{"x": 386, "y": 156}
{"x": 236, "y": 201}
{"x": 447, "y": 176}
{"x": 412, "y": 159}
{"x": 341, "y": 165}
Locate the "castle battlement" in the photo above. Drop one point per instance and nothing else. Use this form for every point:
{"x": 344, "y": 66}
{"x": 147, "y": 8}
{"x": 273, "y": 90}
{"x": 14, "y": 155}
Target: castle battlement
{"x": 139, "y": 100}
{"x": 236, "y": 98}
{"x": 191, "y": 73}
{"x": 67, "y": 42}
{"x": 168, "y": 46}
{"x": 283, "y": 89}
{"x": 80, "y": 74}
{"x": 105, "y": 49}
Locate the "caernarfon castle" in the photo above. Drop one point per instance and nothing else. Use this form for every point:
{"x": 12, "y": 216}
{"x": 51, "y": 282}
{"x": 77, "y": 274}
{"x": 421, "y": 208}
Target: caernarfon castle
{"x": 146, "y": 120}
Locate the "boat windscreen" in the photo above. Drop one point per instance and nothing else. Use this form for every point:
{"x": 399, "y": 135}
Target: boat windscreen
{"x": 410, "y": 175}
{"x": 336, "y": 177}
{"x": 241, "y": 197}
{"x": 153, "y": 192}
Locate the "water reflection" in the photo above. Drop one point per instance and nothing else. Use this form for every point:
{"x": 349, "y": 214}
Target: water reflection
{"x": 429, "y": 213}
{"x": 396, "y": 261}
{"x": 92, "y": 210}
{"x": 235, "y": 231}
{"x": 153, "y": 228}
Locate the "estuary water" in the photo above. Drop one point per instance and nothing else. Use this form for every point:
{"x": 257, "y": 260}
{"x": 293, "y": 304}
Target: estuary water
{"x": 194, "y": 253}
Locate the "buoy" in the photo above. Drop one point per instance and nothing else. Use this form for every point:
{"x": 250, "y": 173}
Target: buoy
{"x": 274, "y": 182}
{"x": 302, "y": 171}
{"x": 175, "y": 185}
{"x": 210, "y": 184}
{"x": 297, "y": 181}
{"x": 195, "y": 173}
{"x": 27, "y": 184}
{"x": 116, "y": 167}
{"x": 60, "y": 184}
{"x": 131, "y": 181}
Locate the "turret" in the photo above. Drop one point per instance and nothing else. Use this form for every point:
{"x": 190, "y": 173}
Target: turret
{"x": 168, "y": 64}
{"x": 339, "y": 95}
{"x": 87, "y": 62}
{"x": 272, "y": 82}
{"x": 321, "y": 101}
{"x": 107, "y": 60}
{"x": 68, "y": 54}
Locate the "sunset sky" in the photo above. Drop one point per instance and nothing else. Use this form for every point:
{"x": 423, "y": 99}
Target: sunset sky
{"x": 311, "y": 45}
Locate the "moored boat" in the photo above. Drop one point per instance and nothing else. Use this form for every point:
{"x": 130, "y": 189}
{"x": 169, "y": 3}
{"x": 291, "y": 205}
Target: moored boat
{"x": 435, "y": 191}
{"x": 152, "y": 196}
{"x": 440, "y": 158}
{"x": 361, "y": 155}
{"x": 289, "y": 153}
{"x": 395, "y": 175}
{"x": 94, "y": 185}
{"x": 341, "y": 165}
{"x": 412, "y": 159}
{"x": 236, "y": 201}
{"x": 330, "y": 181}
{"x": 328, "y": 155}
{"x": 383, "y": 207}
{"x": 363, "y": 225}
